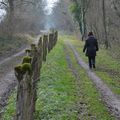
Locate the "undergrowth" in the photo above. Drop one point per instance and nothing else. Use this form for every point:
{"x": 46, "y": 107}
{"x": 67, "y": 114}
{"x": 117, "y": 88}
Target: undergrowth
{"x": 10, "y": 46}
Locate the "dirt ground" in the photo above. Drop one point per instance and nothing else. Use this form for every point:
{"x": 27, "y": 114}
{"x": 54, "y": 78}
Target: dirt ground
{"x": 7, "y": 76}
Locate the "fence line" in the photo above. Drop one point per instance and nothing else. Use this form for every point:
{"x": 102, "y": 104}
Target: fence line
{"x": 28, "y": 74}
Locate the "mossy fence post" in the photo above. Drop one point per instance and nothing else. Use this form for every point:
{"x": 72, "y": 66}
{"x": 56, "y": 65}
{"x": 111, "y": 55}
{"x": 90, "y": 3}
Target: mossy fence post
{"x": 45, "y": 47}
{"x": 23, "y": 73}
{"x": 28, "y": 74}
{"x": 51, "y": 38}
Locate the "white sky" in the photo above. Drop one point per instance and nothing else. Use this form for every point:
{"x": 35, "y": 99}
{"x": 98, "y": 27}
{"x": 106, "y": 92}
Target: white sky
{"x": 49, "y": 6}
{"x": 2, "y": 12}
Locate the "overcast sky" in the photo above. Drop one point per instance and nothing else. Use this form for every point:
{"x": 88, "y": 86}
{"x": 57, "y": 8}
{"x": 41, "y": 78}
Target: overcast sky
{"x": 2, "y": 12}
{"x": 49, "y": 6}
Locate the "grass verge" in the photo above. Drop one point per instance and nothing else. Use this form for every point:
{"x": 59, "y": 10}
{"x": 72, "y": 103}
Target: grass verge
{"x": 56, "y": 93}
{"x": 9, "y": 110}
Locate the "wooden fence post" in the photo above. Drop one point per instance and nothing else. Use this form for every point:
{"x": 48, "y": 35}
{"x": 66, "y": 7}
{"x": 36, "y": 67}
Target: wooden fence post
{"x": 45, "y": 47}
{"x": 28, "y": 74}
{"x": 56, "y": 37}
{"x": 51, "y": 37}
{"x": 23, "y": 73}
{"x": 40, "y": 51}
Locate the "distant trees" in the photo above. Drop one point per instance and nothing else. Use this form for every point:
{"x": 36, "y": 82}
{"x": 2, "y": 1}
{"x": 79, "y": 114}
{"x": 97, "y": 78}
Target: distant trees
{"x": 116, "y": 6}
{"x": 100, "y": 16}
{"x": 21, "y": 16}
{"x": 79, "y": 8}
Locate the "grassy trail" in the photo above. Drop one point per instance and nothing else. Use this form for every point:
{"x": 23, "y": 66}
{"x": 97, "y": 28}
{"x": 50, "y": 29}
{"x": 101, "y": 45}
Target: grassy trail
{"x": 65, "y": 92}
{"x": 108, "y": 68}
{"x": 76, "y": 98}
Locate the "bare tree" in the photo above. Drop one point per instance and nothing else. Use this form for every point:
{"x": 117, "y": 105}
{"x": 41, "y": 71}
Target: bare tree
{"x": 105, "y": 24}
{"x": 103, "y": 18}
{"x": 21, "y": 16}
{"x": 80, "y": 10}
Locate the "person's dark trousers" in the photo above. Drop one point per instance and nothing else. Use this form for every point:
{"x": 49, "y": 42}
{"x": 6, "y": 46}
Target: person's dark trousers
{"x": 91, "y": 60}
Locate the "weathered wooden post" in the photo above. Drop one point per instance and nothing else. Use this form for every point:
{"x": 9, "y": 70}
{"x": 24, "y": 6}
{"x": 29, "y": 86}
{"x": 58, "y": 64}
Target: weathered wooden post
{"x": 56, "y": 37}
{"x": 28, "y": 74}
{"x": 45, "y": 47}
{"x": 51, "y": 37}
{"x": 23, "y": 73}
{"x": 28, "y": 51}
{"x": 36, "y": 66}
{"x": 40, "y": 51}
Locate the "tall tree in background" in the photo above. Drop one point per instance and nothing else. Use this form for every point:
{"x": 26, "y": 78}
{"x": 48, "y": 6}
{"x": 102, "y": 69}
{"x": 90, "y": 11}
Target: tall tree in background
{"x": 79, "y": 8}
{"x": 21, "y": 16}
{"x": 8, "y": 5}
{"x": 103, "y": 18}
{"x": 105, "y": 24}
{"x": 11, "y": 17}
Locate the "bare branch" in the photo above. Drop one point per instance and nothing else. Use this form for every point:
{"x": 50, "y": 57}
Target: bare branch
{"x": 3, "y": 3}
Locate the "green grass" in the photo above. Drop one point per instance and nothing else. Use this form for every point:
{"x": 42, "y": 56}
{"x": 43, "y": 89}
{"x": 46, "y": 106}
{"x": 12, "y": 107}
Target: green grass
{"x": 62, "y": 96}
{"x": 108, "y": 68}
{"x": 56, "y": 93}
{"x": 9, "y": 110}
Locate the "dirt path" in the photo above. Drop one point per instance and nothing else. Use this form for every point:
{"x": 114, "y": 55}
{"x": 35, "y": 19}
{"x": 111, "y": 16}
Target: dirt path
{"x": 112, "y": 102}
{"x": 81, "y": 105}
{"x": 7, "y": 77}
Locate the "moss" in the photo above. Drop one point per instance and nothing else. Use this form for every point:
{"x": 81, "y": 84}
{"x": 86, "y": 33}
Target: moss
{"x": 33, "y": 45}
{"x": 18, "y": 69}
{"x": 27, "y": 50}
{"x": 45, "y": 36}
{"x": 27, "y": 59}
{"x": 22, "y": 69}
{"x": 40, "y": 38}
{"x": 40, "y": 41}
{"x": 35, "y": 49}
{"x": 26, "y": 67}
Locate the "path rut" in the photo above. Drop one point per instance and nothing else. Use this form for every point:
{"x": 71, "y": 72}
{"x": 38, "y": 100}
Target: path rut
{"x": 110, "y": 99}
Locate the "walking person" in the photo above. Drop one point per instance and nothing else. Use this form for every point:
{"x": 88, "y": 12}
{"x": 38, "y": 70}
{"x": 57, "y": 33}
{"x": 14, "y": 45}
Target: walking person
{"x": 91, "y": 46}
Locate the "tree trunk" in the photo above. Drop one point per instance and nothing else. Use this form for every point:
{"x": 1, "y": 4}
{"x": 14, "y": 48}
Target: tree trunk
{"x": 104, "y": 24}
{"x": 11, "y": 17}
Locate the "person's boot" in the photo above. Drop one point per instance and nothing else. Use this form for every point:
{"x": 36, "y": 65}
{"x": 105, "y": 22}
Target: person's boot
{"x": 93, "y": 65}
{"x": 90, "y": 66}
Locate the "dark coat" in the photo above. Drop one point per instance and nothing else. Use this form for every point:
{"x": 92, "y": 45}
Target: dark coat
{"x": 91, "y": 46}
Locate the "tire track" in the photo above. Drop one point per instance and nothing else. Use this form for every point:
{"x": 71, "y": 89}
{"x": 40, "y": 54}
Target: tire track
{"x": 112, "y": 102}
{"x": 82, "y": 107}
